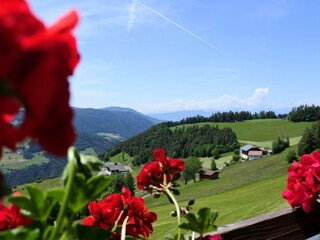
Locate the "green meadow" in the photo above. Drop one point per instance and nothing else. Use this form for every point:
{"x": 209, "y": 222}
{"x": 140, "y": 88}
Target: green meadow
{"x": 262, "y": 130}
{"x": 17, "y": 161}
{"x": 244, "y": 190}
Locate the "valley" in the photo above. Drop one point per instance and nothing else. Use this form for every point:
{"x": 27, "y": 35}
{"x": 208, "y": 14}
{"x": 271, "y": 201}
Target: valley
{"x": 244, "y": 189}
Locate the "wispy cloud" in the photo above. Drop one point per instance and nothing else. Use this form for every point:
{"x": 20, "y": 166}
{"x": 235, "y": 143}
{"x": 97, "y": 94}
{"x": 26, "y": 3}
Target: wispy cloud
{"x": 178, "y": 25}
{"x": 259, "y": 99}
{"x": 132, "y": 14}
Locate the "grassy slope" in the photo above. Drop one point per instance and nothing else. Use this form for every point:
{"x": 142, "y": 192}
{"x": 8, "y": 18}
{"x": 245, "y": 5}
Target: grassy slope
{"x": 263, "y": 130}
{"x": 44, "y": 184}
{"x": 17, "y": 161}
{"x": 242, "y": 203}
{"x": 225, "y": 157}
{"x": 244, "y": 190}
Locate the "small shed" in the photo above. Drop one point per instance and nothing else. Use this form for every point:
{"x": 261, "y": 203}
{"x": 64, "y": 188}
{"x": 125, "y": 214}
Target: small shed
{"x": 208, "y": 174}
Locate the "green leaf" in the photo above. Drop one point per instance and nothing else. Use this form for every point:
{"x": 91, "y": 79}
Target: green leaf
{"x": 192, "y": 223}
{"x": 175, "y": 191}
{"x": 78, "y": 198}
{"x": 39, "y": 204}
{"x": 81, "y": 232}
{"x": 156, "y": 195}
{"x": 82, "y": 191}
{"x": 23, "y": 203}
{"x": 96, "y": 185}
{"x": 201, "y": 224}
{"x": 191, "y": 202}
{"x": 206, "y": 220}
{"x": 20, "y": 233}
{"x": 56, "y": 194}
{"x": 37, "y": 197}
{"x": 82, "y": 164}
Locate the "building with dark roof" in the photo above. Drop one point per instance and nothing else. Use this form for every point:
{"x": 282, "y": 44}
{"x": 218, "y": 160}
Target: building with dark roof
{"x": 251, "y": 152}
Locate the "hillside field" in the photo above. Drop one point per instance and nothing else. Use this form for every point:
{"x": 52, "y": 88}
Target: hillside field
{"x": 244, "y": 190}
{"x": 12, "y": 161}
{"x": 261, "y": 130}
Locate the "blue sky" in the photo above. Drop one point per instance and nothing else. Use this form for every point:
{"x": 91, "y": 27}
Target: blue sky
{"x": 163, "y": 56}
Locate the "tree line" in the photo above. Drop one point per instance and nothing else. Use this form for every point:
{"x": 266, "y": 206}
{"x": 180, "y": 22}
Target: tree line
{"x": 228, "y": 117}
{"x": 310, "y": 140}
{"x": 181, "y": 142}
{"x": 305, "y": 113}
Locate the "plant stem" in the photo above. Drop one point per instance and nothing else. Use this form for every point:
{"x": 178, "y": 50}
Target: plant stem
{"x": 117, "y": 221}
{"x": 124, "y": 227}
{"x": 177, "y": 210}
{"x": 63, "y": 209}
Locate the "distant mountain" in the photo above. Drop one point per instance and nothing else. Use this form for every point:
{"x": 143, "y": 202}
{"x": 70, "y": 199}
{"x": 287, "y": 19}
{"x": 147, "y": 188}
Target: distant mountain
{"x": 119, "y": 121}
{"x": 121, "y": 109}
{"x": 101, "y": 129}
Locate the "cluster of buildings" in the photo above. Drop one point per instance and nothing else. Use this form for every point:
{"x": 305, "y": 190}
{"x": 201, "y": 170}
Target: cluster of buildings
{"x": 114, "y": 168}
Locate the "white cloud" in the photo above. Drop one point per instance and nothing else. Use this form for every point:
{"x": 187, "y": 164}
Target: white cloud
{"x": 259, "y": 99}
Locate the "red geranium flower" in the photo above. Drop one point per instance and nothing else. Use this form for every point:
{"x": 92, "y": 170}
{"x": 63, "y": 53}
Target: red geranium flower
{"x": 152, "y": 175}
{"x": 35, "y": 64}
{"x": 10, "y": 217}
{"x": 115, "y": 207}
{"x": 303, "y": 182}
{"x": 212, "y": 237}
{"x": 169, "y": 166}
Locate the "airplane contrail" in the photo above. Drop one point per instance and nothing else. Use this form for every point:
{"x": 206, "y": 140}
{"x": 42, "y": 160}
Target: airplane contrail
{"x": 177, "y": 25}
{"x": 132, "y": 15}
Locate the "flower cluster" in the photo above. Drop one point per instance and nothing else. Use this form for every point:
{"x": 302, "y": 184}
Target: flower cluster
{"x": 35, "y": 63}
{"x": 10, "y": 217}
{"x": 118, "y": 209}
{"x": 159, "y": 173}
{"x": 304, "y": 182}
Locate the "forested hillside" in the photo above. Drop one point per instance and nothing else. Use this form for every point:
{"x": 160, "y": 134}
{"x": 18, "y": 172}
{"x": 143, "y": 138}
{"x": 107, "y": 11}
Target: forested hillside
{"x": 181, "y": 142}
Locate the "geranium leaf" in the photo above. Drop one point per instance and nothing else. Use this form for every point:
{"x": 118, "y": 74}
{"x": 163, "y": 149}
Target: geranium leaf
{"x": 38, "y": 205}
{"x": 175, "y": 191}
{"x": 56, "y": 194}
{"x": 97, "y": 184}
{"x": 37, "y": 196}
{"x": 191, "y": 202}
{"x": 82, "y": 232}
{"x": 23, "y": 203}
{"x": 206, "y": 220}
{"x": 82, "y": 192}
{"x": 78, "y": 197}
{"x": 201, "y": 224}
{"x": 20, "y": 233}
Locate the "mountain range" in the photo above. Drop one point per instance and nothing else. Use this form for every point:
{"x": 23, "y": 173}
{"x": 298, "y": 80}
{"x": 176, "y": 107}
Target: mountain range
{"x": 179, "y": 115}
